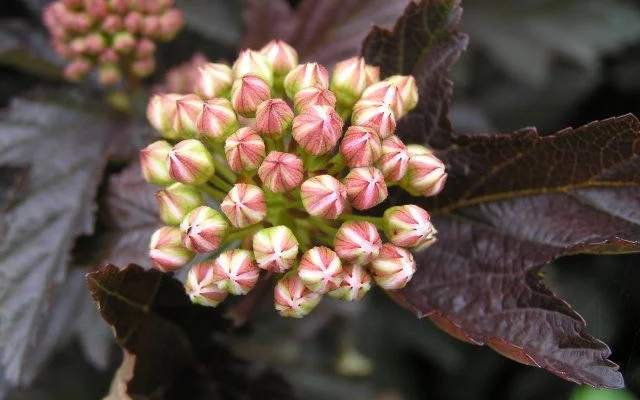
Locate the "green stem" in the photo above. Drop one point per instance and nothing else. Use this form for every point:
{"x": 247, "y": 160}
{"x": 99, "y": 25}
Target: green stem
{"x": 221, "y": 184}
{"x": 377, "y": 221}
{"x": 322, "y": 226}
{"x": 224, "y": 170}
{"x": 241, "y": 233}
{"x": 213, "y": 192}
{"x": 338, "y": 164}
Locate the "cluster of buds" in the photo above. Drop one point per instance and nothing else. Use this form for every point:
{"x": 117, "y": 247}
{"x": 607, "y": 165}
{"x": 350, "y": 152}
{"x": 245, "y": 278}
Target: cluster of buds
{"x": 117, "y": 37}
{"x": 277, "y": 159}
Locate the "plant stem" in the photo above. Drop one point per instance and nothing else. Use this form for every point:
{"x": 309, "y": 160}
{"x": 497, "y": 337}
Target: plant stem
{"x": 377, "y": 221}
{"x": 322, "y": 225}
{"x": 338, "y": 164}
{"x": 221, "y": 184}
{"x": 223, "y": 169}
{"x": 238, "y": 234}
{"x": 213, "y": 192}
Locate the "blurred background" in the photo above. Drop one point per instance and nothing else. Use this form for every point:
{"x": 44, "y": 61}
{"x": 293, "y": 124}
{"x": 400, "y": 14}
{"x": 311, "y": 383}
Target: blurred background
{"x": 543, "y": 63}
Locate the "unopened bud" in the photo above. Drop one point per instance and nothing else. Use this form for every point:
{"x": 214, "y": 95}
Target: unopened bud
{"x": 166, "y": 250}
{"x": 143, "y": 67}
{"x": 188, "y": 110}
{"x": 151, "y": 27}
{"x": 95, "y": 43}
{"x": 153, "y": 162}
{"x": 273, "y": 118}
{"x": 426, "y": 174}
{"x": 236, "y": 272}
{"x": 203, "y": 229}
{"x": 176, "y": 201}
{"x": 112, "y": 24}
{"x": 409, "y": 226}
{"x": 77, "y": 69}
{"x": 201, "y": 286}
{"x": 394, "y": 160}
{"x": 244, "y": 205}
{"x": 157, "y": 6}
{"x": 313, "y": 97}
{"x": 292, "y": 298}
{"x": 133, "y": 22}
{"x": 406, "y": 84}
{"x": 324, "y": 196}
{"x": 81, "y": 23}
{"x": 393, "y": 268}
{"x": 109, "y": 74}
{"x": 281, "y": 172}
{"x": 170, "y": 24}
{"x": 161, "y": 112}
{"x": 146, "y": 48}
{"x": 387, "y": 93}
{"x": 244, "y": 150}
{"x": 190, "y": 162}
{"x": 109, "y": 56}
{"x": 360, "y": 147}
{"x": 365, "y": 187}
{"x": 320, "y": 269}
{"x": 77, "y": 46}
{"x": 282, "y": 58}
{"x": 275, "y": 248}
{"x": 357, "y": 242}
{"x": 250, "y": 62}
{"x": 247, "y": 93}
{"x": 356, "y": 282}
{"x": 304, "y": 76}
{"x": 349, "y": 80}
{"x": 317, "y": 129}
{"x": 376, "y": 115}
{"x": 214, "y": 80}
{"x": 373, "y": 74}
{"x": 124, "y": 42}
{"x": 217, "y": 120}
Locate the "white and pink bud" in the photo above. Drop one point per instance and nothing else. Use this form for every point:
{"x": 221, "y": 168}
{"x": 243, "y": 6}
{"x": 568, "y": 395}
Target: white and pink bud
{"x": 426, "y": 174}
{"x": 166, "y": 250}
{"x": 236, "y": 272}
{"x": 214, "y": 80}
{"x": 275, "y": 249}
{"x": 320, "y": 269}
{"x": 250, "y": 62}
{"x": 109, "y": 56}
{"x": 349, "y": 80}
{"x": 143, "y": 67}
{"x": 360, "y": 147}
{"x": 393, "y": 268}
{"x": 357, "y": 242}
{"x": 317, "y": 129}
{"x": 406, "y": 84}
{"x": 109, "y": 74}
{"x": 161, "y": 111}
{"x": 409, "y": 226}
{"x": 244, "y": 205}
{"x": 273, "y": 118}
{"x": 124, "y": 42}
{"x": 176, "y": 201}
{"x": 247, "y": 93}
{"x": 77, "y": 69}
{"x": 201, "y": 286}
{"x": 146, "y": 48}
{"x": 151, "y": 27}
{"x": 376, "y": 115}
{"x": 203, "y": 229}
{"x": 171, "y": 21}
{"x": 324, "y": 196}
{"x": 217, "y": 121}
{"x": 387, "y": 93}
{"x": 356, "y": 282}
{"x": 281, "y": 57}
{"x": 188, "y": 110}
{"x": 153, "y": 162}
{"x": 190, "y": 162}
{"x": 366, "y": 187}
{"x": 394, "y": 160}
{"x": 292, "y": 298}
{"x": 95, "y": 43}
{"x": 313, "y": 96}
{"x": 118, "y": 6}
{"x": 373, "y": 74}
{"x": 133, "y": 22}
{"x": 244, "y": 150}
{"x": 111, "y": 24}
{"x": 304, "y": 76}
{"x": 281, "y": 172}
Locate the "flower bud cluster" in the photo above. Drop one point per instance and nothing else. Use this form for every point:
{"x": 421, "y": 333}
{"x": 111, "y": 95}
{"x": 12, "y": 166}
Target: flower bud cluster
{"x": 277, "y": 159}
{"x": 116, "y": 37}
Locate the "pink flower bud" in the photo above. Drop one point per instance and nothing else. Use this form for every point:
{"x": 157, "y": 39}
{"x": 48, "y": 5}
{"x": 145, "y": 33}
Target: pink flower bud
{"x": 176, "y": 201}
{"x": 245, "y": 150}
{"x": 214, "y": 80}
{"x": 388, "y": 93}
{"x": 394, "y": 160}
{"x": 376, "y": 115}
{"x": 190, "y": 162}
{"x": 95, "y": 43}
{"x": 109, "y": 74}
{"x": 201, "y": 286}
{"x": 304, "y": 76}
{"x": 188, "y": 110}
{"x": 393, "y": 268}
{"x": 247, "y": 93}
{"x": 124, "y": 42}
{"x": 81, "y": 23}
{"x": 275, "y": 248}
{"x": 349, "y": 80}
{"x": 406, "y": 84}
{"x": 317, "y": 129}
{"x": 273, "y": 118}
{"x": 73, "y": 4}
{"x": 324, "y": 196}
{"x": 109, "y": 56}
{"x": 203, "y": 229}
{"x": 356, "y": 282}
{"x": 61, "y": 49}
{"x": 293, "y": 299}
{"x": 118, "y": 6}
{"x": 151, "y": 27}
{"x": 250, "y": 62}
{"x": 281, "y": 172}
{"x": 161, "y": 112}
{"x": 280, "y": 56}
{"x": 143, "y": 67}
{"x": 320, "y": 269}
{"x": 146, "y": 48}
{"x": 166, "y": 250}
{"x": 357, "y": 242}
{"x": 313, "y": 96}
{"x": 236, "y": 272}
{"x": 77, "y": 69}
{"x": 157, "y": 6}
{"x": 77, "y": 46}
{"x": 365, "y": 187}
{"x": 153, "y": 163}
{"x": 373, "y": 74}
{"x": 112, "y": 24}
{"x": 170, "y": 24}
{"x": 217, "y": 120}
{"x": 133, "y": 22}
{"x": 409, "y": 226}
{"x": 426, "y": 174}
{"x": 244, "y": 205}
{"x": 360, "y": 147}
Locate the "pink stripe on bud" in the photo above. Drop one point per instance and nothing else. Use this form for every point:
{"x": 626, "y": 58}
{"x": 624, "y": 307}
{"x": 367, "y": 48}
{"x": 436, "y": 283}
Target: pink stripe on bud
{"x": 247, "y": 93}
{"x": 393, "y": 268}
{"x": 236, "y": 272}
{"x": 324, "y": 196}
{"x": 161, "y": 112}
{"x": 349, "y": 80}
{"x": 244, "y": 205}
{"x": 394, "y": 160}
{"x": 176, "y": 201}
{"x": 409, "y": 226}
{"x": 357, "y": 242}
{"x": 171, "y": 22}
{"x": 320, "y": 269}
{"x": 365, "y": 187}
{"x": 376, "y": 115}
{"x": 273, "y": 118}
{"x": 356, "y": 282}
{"x": 275, "y": 248}
{"x": 408, "y": 89}
{"x": 203, "y": 229}
{"x": 153, "y": 162}
{"x": 281, "y": 172}
{"x": 166, "y": 250}
{"x": 214, "y": 80}
{"x": 313, "y": 96}
{"x": 250, "y": 62}
{"x": 188, "y": 110}
{"x": 281, "y": 57}
{"x": 387, "y": 93}
{"x": 292, "y": 298}
{"x": 217, "y": 121}
{"x": 245, "y": 150}
{"x": 304, "y": 76}
{"x": 201, "y": 286}
{"x": 317, "y": 129}
{"x": 360, "y": 147}
{"x": 426, "y": 174}
{"x": 190, "y": 162}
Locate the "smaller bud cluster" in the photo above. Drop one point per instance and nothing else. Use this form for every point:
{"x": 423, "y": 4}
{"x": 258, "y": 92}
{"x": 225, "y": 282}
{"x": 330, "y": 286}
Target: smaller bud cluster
{"x": 116, "y": 37}
{"x": 280, "y": 158}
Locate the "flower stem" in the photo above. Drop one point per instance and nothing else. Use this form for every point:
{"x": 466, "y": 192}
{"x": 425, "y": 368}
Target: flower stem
{"x": 221, "y": 184}
{"x": 377, "y": 221}
{"x": 223, "y": 169}
{"x": 322, "y": 225}
{"x": 241, "y": 233}
{"x": 338, "y": 164}
{"x": 213, "y": 192}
